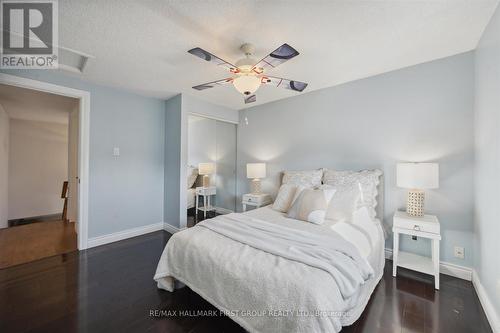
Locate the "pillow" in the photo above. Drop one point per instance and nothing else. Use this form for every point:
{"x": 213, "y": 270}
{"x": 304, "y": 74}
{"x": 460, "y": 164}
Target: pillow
{"x": 284, "y": 199}
{"x": 311, "y": 205}
{"x": 343, "y": 204}
{"x": 307, "y": 178}
{"x": 354, "y": 189}
{"x": 192, "y": 174}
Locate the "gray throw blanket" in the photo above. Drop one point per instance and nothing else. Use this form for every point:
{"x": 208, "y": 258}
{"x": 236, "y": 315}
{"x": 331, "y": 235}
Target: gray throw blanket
{"x": 330, "y": 253}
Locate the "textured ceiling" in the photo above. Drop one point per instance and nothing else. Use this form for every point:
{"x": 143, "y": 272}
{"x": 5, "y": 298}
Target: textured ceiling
{"x": 142, "y": 45}
{"x": 27, "y": 104}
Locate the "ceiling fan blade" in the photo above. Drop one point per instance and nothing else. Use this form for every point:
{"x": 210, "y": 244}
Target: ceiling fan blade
{"x": 282, "y": 54}
{"x": 213, "y": 84}
{"x": 284, "y": 83}
{"x": 207, "y": 56}
{"x": 250, "y": 99}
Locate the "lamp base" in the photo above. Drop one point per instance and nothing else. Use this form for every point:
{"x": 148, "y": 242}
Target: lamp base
{"x": 415, "y": 203}
{"x": 255, "y": 186}
{"x": 206, "y": 181}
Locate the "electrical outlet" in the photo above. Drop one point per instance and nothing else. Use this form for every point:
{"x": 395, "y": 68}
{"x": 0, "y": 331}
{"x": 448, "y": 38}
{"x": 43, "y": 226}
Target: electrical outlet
{"x": 459, "y": 252}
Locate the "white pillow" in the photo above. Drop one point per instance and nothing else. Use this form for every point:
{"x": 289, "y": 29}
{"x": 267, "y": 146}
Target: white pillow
{"x": 307, "y": 178}
{"x": 192, "y": 174}
{"x": 285, "y": 197}
{"x": 343, "y": 205}
{"x": 311, "y": 205}
{"x": 362, "y": 219}
{"x": 355, "y": 189}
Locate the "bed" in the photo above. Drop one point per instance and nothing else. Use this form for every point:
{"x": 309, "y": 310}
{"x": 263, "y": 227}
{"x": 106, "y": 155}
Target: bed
{"x": 254, "y": 279}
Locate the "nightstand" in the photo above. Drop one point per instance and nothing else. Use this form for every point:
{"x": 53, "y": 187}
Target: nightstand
{"x": 255, "y": 200}
{"x": 426, "y": 226}
{"x": 206, "y": 193}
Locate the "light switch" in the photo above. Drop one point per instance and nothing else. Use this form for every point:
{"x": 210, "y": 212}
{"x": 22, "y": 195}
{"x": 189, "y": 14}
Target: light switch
{"x": 116, "y": 151}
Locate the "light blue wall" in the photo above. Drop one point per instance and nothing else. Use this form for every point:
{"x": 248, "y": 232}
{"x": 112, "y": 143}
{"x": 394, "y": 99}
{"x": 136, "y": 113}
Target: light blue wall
{"x": 487, "y": 212}
{"x": 420, "y": 113}
{"x": 126, "y": 191}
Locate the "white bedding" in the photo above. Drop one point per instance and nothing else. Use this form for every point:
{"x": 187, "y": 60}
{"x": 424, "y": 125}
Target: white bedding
{"x": 234, "y": 276}
{"x": 191, "y": 194}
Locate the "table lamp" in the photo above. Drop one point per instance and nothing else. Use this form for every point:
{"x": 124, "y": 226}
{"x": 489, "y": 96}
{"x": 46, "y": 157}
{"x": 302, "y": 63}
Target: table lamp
{"x": 256, "y": 171}
{"x": 206, "y": 169}
{"x": 416, "y": 177}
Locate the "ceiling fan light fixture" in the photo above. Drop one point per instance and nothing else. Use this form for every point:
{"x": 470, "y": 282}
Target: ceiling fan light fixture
{"x": 247, "y": 84}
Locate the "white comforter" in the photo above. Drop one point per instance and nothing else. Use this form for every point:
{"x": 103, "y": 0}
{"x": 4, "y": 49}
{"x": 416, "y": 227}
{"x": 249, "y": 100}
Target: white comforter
{"x": 262, "y": 291}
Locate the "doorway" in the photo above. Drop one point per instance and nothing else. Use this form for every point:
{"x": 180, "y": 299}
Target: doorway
{"x": 66, "y": 213}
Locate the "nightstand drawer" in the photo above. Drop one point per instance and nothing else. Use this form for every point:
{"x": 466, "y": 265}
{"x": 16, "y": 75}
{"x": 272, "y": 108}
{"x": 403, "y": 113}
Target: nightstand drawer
{"x": 427, "y": 223}
{"x": 252, "y": 199}
{"x": 206, "y": 190}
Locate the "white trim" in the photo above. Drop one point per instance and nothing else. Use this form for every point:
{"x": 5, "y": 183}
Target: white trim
{"x": 84, "y": 141}
{"x": 121, "y": 235}
{"x": 171, "y": 229}
{"x": 489, "y": 309}
{"x": 214, "y": 118}
{"x": 461, "y": 272}
{"x": 221, "y": 210}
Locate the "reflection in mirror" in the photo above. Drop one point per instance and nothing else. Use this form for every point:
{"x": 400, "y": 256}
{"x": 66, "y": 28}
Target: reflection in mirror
{"x": 211, "y": 168}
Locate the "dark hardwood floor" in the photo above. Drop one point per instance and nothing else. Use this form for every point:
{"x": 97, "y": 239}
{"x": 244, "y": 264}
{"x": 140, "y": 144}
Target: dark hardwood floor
{"x": 111, "y": 289}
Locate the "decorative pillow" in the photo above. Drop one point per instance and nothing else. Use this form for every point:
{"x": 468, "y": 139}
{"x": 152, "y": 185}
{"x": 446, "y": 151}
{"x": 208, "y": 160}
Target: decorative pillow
{"x": 354, "y": 189}
{"x": 284, "y": 199}
{"x": 311, "y": 205}
{"x": 192, "y": 174}
{"x": 343, "y": 205}
{"x": 306, "y": 178}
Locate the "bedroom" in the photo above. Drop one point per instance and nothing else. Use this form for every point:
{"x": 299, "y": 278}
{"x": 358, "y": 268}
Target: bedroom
{"x": 327, "y": 163}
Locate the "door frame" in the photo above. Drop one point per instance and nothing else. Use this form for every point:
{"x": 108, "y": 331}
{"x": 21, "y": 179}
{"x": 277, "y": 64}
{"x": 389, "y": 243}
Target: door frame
{"x": 83, "y": 141}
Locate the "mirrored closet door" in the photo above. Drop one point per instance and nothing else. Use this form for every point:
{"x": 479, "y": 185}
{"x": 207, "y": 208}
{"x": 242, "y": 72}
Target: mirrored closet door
{"x": 211, "y": 167}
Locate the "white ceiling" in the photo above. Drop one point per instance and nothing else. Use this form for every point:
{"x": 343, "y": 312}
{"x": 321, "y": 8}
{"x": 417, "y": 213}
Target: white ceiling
{"x": 142, "y": 45}
{"x": 27, "y": 104}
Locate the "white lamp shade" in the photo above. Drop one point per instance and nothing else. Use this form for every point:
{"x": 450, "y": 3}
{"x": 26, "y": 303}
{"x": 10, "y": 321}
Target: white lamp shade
{"x": 418, "y": 175}
{"x": 247, "y": 84}
{"x": 256, "y": 170}
{"x": 206, "y": 168}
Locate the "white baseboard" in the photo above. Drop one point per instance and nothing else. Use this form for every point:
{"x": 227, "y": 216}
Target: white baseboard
{"x": 488, "y": 307}
{"x": 221, "y": 210}
{"x": 121, "y": 235}
{"x": 171, "y": 229}
{"x": 461, "y": 272}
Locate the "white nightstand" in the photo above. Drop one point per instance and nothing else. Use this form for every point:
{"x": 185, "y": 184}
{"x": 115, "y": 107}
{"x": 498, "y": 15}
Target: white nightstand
{"x": 255, "y": 200}
{"x": 206, "y": 193}
{"x": 426, "y": 227}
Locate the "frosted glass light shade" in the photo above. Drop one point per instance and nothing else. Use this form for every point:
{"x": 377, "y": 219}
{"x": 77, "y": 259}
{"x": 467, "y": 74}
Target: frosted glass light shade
{"x": 206, "y": 168}
{"x": 418, "y": 175}
{"x": 256, "y": 170}
{"x": 247, "y": 84}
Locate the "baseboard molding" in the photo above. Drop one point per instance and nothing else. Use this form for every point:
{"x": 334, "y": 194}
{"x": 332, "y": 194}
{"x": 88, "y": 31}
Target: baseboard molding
{"x": 121, "y": 235}
{"x": 461, "y": 272}
{"x": 171, "y": 229}
{"x": 220, "y": 210}
{"x": 489, "y": 309}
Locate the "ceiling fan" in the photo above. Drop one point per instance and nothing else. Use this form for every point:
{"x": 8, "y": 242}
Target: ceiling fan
{"x": 248, "y": 74}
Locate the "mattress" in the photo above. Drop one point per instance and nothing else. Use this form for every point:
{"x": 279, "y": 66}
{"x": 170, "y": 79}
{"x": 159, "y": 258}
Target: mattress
{"x": 191, "y": 195}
